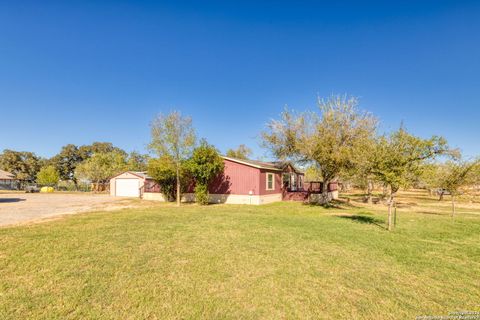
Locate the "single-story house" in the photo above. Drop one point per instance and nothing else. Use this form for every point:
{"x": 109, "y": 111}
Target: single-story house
{"x": 8, "y": 181}
{"x": 241, "y": 182}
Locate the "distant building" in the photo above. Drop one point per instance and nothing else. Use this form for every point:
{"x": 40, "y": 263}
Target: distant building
{"x": 8, "y": 181}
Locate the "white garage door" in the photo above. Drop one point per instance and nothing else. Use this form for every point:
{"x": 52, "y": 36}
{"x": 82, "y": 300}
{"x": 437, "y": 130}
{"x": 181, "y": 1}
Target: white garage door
{"x": 127, "y": 187}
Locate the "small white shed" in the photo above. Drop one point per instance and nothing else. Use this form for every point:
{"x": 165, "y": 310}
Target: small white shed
{"x": 127, "y": 184}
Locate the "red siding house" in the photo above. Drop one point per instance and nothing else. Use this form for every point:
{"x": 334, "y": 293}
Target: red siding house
{"x": 247, "y": 182}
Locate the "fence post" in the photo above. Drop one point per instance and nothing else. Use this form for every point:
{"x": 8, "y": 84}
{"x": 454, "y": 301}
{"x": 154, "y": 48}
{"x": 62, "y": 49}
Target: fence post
{"x": 395, "y": 214}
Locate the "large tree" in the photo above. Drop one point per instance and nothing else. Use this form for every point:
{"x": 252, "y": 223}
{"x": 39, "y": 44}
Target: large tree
{"x": 205, "y": 164}
{"x": 66, "y": 161}
{"x": 399, "y": 158}
{"x": 173, "y": 136}
{"x": 86, "y": 151}
{"x": 241, "y": 152}
{"x": 331, "y": 139}
{"x": 24, "y": 165}
{"x": 137, "y": 161}
{"x": 70, "y": 156}
{"x": 100, "y": 167}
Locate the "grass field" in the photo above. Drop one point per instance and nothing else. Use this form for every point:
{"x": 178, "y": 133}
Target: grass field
{"x": 278, "y": 261}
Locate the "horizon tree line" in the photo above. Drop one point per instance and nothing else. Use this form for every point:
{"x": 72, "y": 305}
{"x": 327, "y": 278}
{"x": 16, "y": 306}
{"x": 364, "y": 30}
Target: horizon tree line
{"x": 337, "y": 141}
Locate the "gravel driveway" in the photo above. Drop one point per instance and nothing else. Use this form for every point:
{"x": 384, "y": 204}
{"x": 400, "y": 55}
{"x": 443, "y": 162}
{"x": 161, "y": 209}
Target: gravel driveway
{"x": 18, "y": 208}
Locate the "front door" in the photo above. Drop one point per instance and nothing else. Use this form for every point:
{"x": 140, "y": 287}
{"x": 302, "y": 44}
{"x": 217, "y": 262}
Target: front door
{"x": 293, "y": 178}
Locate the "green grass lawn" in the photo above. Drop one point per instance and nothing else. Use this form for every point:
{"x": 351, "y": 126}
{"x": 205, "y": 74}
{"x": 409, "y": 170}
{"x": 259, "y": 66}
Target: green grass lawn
{"x": 284, "y": 260}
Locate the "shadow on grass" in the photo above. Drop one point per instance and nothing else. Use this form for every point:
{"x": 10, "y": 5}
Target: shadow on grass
{"x": 363, "y": 219}
{"x": 364, "y": 200}
{"x": 424, "y": 198}
{"x": 333, "y": 204}
{"x": 401, "y": 204}
{"x": 8, "y": 200}
{"x": 433, "y": 213}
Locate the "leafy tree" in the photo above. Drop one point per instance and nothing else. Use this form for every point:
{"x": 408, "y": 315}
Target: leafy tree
{"x": 429, "y": 177}
{"x": 205, "y": 164}
{"x": 456, "y": 175}
{"x": 163, "y": 171}
{"x": 48, "y": 176}
{"x": 312, "y": 173}
{"x": 137, "y": 161}
{"x": 331, "y": 139}
{"x": 66, "y": 161}
{"x": 173, "y": 136}
{"x": 362, "y": 171}
{"x": 399, "y": 158}
{"x": 24, "y": 165}
{"x": 100, "y": 167}
{"x": 242, "y": 152}
{"x": 86, "y": 151}
{"x": 70, "y": 156}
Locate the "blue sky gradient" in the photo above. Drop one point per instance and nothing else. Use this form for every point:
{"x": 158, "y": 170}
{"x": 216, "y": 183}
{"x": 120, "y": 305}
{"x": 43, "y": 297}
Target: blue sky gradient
{"x": 81, "y": 71}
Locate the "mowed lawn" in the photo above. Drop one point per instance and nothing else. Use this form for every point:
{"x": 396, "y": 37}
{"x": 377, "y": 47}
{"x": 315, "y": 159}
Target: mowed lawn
{"x": 278, "y": 261}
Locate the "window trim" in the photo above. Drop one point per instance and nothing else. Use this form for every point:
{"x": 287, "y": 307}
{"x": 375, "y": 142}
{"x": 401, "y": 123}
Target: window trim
{"x": 273, "y": 181}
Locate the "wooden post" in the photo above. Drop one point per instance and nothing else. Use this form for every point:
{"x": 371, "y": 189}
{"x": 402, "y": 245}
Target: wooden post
{"x": 389, "y": 215}
{"x": 453, "y": 206}
{"x": 178, "y": 187}
{"x": 394, "y": 214}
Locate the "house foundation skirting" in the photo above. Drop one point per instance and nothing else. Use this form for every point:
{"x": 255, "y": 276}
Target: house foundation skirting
{"x": 221, "y": 198}
{"x": 153, "y": 196}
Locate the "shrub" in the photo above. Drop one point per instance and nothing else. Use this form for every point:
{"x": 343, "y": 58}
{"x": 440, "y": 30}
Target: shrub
{"x": 201, "y": 194}
{"x": 163, "y": 171}
{"x": 204, "y": 166}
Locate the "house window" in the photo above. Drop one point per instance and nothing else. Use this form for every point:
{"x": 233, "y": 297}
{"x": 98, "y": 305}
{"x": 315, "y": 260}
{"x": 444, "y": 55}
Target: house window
{"x": 286, "y": 181}
{"x": 270, "y": 181}
{"x": 300, "y": 182}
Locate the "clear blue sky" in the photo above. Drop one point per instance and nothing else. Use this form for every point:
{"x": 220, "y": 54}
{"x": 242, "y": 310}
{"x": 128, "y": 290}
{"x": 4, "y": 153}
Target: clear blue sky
{"x": 80, "y": 71}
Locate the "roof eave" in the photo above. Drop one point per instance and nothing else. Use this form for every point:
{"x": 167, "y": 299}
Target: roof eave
{"x": 251, "y": 164}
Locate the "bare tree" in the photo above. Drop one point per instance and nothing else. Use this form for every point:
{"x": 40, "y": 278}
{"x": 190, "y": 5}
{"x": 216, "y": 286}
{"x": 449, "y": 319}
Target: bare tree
{"x": 173, "y": 136}
{"x": 331, "y": 138}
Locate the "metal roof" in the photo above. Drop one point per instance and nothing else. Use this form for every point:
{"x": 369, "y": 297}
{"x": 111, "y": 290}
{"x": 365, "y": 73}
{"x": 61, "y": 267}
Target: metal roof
{"x": 275, "y": 165}
{"x": 4, "y": 175}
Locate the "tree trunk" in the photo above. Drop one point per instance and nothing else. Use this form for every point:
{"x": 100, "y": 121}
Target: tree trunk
{"x": 385, "y": 191}
{"x": 325, "y": 198}
{"x": 453, "y": 206}
{"x": 369, "y": 191}
{"x": 390, "y": 213}
{"x": 178, "y": 187}
{"x": 389, "y": 224}
{"x": 441, "y": 196}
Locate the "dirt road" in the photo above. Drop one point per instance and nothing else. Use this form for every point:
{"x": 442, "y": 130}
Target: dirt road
{"x": 16, "y": 208}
